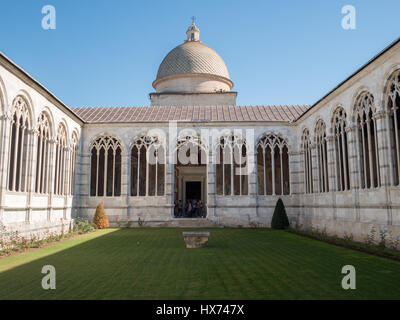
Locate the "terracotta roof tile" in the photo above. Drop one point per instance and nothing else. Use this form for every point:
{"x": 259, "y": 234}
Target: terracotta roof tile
{"x": 190, "y": 113}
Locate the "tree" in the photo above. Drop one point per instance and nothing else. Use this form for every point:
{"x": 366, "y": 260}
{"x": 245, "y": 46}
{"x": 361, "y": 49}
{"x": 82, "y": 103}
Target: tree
{"x": 280, "y": 219}
{"x": 100, "y": 219}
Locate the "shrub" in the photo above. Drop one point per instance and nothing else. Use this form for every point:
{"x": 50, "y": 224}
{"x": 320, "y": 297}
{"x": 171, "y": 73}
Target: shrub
{"x": 83, "y": 226}
{"x": 100, "y": 219}
{"x": 279, "y": 219}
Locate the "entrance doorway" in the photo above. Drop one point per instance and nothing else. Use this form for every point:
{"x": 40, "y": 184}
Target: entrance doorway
{"x": 190, "y": 185}
{"x": 193, "y": 190}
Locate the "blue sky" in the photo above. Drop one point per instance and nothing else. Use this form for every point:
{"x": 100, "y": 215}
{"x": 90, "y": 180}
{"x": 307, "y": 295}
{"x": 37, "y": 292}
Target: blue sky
{"x": 106, "y": 53}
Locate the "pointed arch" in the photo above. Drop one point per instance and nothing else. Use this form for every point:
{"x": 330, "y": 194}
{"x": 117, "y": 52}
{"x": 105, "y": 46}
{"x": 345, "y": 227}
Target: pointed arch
{"x": 105, "y": 171}
{"x": 73, "y": 151}
{"x": 273, "y": 165}
{"x": 339, "y": 125}
{"x": 367, "y": 141}
{"x": 147, "y": 166}
{"x": 306, "y": 148}
{"x": 231, "y": 166}
{"x": 190, "y": 150}
{"x": 61, "y": 158}
{"x": 392, "y": 105}
{"x": 19, "y": 150}
{"x": 322, "y": 156}
{"x": 43, "y": 138}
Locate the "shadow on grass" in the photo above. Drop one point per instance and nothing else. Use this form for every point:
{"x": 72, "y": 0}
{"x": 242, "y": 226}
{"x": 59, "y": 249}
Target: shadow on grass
{"x": 235, "y": 264}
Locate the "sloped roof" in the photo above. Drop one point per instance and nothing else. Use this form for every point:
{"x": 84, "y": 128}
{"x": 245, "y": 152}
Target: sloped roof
{"x": 190, "y": 113}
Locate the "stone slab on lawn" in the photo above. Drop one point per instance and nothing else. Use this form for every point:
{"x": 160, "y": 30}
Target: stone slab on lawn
{"x": 195, "y": 239}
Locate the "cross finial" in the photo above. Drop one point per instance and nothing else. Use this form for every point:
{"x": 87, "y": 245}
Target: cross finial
{"x": 193, "y": 19}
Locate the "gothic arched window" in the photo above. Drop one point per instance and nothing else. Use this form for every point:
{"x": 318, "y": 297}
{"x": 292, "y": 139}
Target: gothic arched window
{"x": 393, "y": 108}
{"x": 307, "y": 161}
{"x": 147, "y": 167}
{"x": 341, "y": 150}
{"x": 367, "y": 141}
{"x": 61, "y": 165}
{"x": 105, "y": 172}
{"x": 19, "y": 146}
{"x": 42, "y": 159}
{"x": 231, "y": 166}
{"x": 322, "y": 156}
{"x": 273, "y": 166}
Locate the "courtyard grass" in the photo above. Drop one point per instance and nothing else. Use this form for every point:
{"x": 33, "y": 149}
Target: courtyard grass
{"x": 236, "y": 264}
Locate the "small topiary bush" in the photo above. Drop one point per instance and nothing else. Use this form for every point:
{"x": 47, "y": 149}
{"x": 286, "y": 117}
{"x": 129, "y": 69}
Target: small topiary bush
{"x": 279, "y": 219}
{"x": 100, "y": 219}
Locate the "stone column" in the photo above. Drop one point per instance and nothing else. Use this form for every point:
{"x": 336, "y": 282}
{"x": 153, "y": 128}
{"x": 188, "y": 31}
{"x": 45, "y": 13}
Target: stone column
{"x": 252, "y": 180}
{"x": 332, "y": 174}
{"x": 67, "y": 153}
{"x": 31, "y": 168}
{"x": 384, "y": 162}
{"x": 83, "y": 178}
{"x": 211, "y": 185}
{"x": 170, "y": 183}
{"x": 296, "y": 173}
{"x": 353, "y": 148}
{"x": 252, "y": 173}
{"x": 383, "y": 148}
{"x": 5, "y": 123}
{"x": 125, "y": 171}
{"x": 52, "y": 175}
{"x": 315, "y": 168}
{"x": 126, "y": 189}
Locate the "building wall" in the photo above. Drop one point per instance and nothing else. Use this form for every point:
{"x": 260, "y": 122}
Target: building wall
{"x": 29, "y": 212}
{"x": 342, "y": 213}
{"x": 193, "y": 99}
{"x": 354, "y": 211}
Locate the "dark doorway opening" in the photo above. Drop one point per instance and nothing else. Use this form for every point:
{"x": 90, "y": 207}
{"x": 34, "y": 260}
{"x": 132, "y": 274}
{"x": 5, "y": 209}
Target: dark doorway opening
{"x": 193, "y": 190}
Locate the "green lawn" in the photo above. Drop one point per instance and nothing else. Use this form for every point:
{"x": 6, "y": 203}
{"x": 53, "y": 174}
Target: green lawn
{"x": 236, "y": 264}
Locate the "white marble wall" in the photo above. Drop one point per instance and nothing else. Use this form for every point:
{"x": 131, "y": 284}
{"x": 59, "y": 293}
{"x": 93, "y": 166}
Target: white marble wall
{"x": 351, "y": 212}
{"x": 29, "y": 212}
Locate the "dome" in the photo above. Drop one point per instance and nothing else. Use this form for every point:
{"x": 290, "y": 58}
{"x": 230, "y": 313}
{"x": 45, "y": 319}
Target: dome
{"x": 193, "y": 58}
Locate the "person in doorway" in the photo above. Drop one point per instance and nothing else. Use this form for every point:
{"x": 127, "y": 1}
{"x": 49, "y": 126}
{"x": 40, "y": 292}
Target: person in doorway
{"x": 180, "y": 209}
{"x": 199, "y": 209}
{"x": 189, "y": 211}
{"x": 176, "y": 209}
{"x": 186, "y": 208}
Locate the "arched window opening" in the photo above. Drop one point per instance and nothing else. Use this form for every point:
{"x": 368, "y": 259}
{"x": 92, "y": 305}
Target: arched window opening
{"x": 60, "y": 187}
{"x": 19, "y": 146}
{"x": 42, "y": 183}
{"x": 307, "y": 161}
{"x": 105, "y": 167}
{"x": 190, "y": 151}
{"x": 367, "y": 142}
{"x": 322, "y": 156}
{"x": 273, "y": 166}
{"x": 231, "y": 166}
{"x": 147, "y": 167}
{"x": 341, "y": 150}
{"x": 393, "y": 108}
